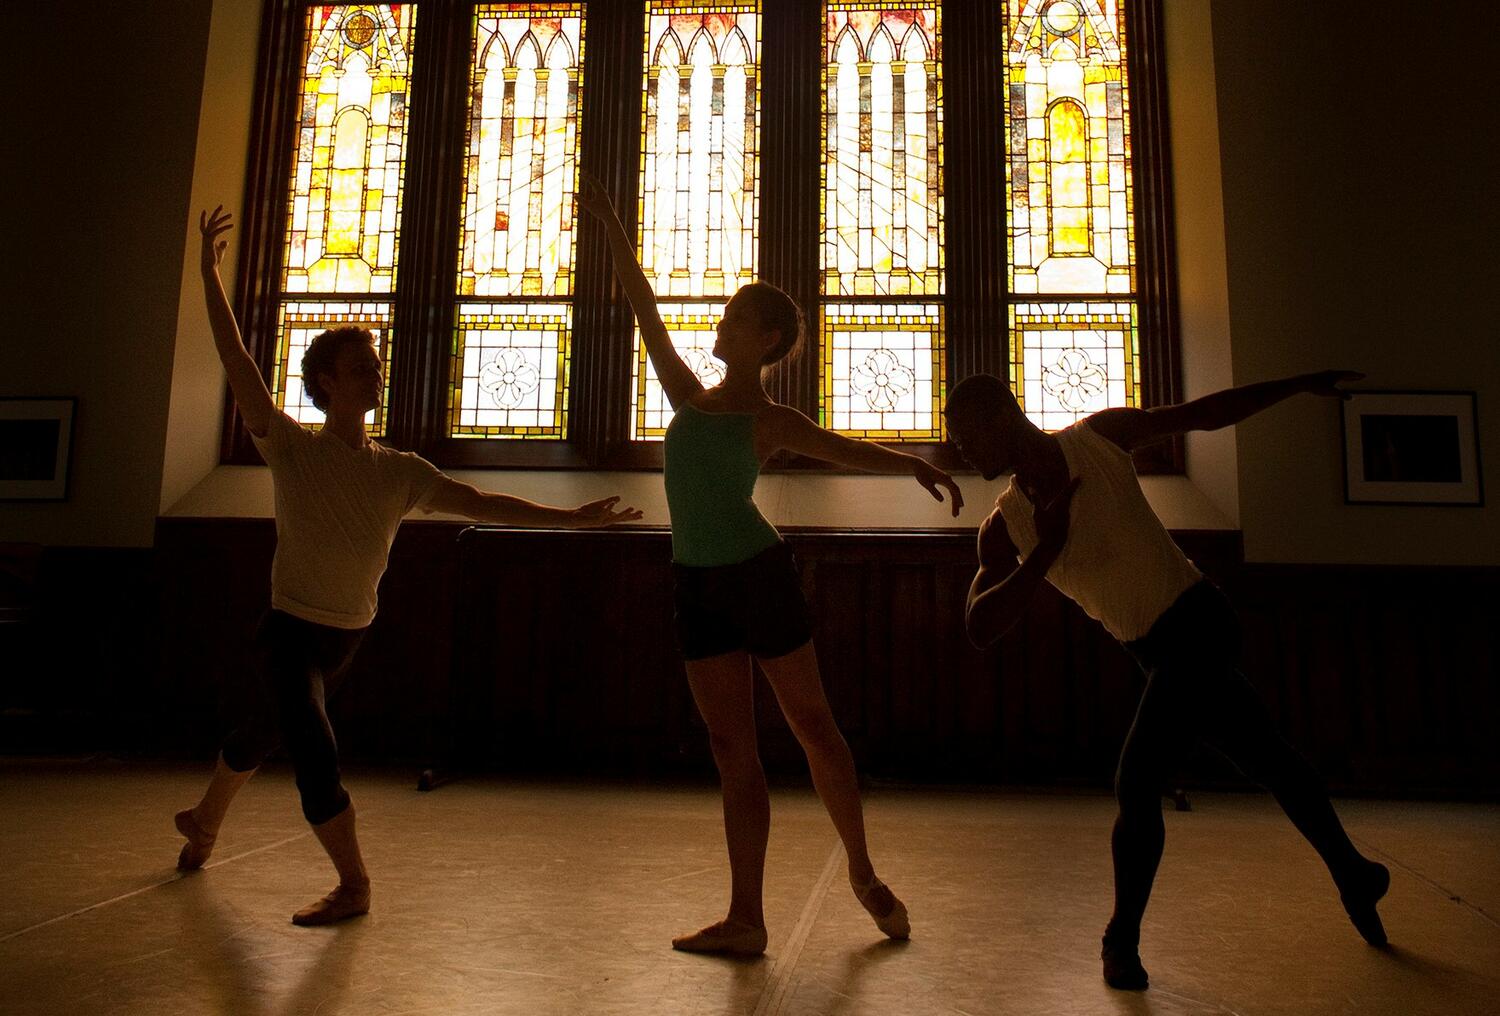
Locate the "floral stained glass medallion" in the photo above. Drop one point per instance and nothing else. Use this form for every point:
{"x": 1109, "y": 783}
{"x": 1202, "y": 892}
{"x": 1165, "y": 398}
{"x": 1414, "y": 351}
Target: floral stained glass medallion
{"x": 511, "y": 356}
{"x": 1069, "y": 187}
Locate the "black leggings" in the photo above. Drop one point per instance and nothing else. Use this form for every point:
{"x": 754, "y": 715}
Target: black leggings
{"x": 301, "y": 664}
{"x": 1194, "y": 693}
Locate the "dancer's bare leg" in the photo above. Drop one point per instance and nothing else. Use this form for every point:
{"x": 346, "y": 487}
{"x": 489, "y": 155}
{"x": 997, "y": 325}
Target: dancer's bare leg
{"x": 722, "y": 690}
{"x": 352, "y": 895}
{"x": 799, "y": 690}
{"x": 200, "y": 823}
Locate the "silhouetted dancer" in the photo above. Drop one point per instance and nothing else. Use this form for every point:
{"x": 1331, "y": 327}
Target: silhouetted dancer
{"x": 738, "y": 594}
{"x": 1097, "y": 540}
{"x": 339, "y": 499}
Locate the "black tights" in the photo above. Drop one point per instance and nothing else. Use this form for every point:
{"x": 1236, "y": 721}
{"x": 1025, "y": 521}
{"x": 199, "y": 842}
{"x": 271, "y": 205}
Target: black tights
{"x": 301, "y": 664}
{"x": 1194, "y": 693}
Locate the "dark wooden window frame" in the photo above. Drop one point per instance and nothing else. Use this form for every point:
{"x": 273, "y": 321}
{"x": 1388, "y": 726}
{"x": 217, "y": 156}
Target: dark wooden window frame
{"x": 975, "y": 302}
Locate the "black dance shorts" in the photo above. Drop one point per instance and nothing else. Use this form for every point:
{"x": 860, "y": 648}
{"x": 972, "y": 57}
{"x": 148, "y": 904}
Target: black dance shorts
{"x": 755, "y": 605}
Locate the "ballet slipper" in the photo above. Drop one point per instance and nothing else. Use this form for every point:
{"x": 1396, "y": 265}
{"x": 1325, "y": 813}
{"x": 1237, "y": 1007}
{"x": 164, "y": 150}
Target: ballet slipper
{"x": 881, "y": 904}
{"x": 343, "y": 903}
{"x": 729, "y": 937}
{"x": 199, "y": 845}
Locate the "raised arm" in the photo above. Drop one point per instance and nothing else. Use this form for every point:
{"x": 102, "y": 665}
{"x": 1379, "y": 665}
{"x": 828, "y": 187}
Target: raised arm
{"x": 677, "y": 379}
{"x": 1001, "y": 589}
{"x": 245, "y": 382}
{"x": 784, "y": 427}
{"x": 459, "y": 498}
{"x": 1130, "y": 428}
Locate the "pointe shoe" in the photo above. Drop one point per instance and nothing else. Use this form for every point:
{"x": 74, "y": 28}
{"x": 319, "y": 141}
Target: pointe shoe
{"x": 341, "y": 904}
{"x": 1122, "y": 966}
{"x": 1359, "y": 903}
{"x": 733, "y": 938}
{"x": 199, "y": 844}
{"x": 881, "y": 904}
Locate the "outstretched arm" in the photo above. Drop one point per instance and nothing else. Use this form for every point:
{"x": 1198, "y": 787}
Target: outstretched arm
{"x": 249, "y": 388}
{"x": 1001, "y": 589}
{"x": 1130, "y": 428}
{"x": 676, "y": 377}
{"x": 785, "y": 427}
{"x": 460, "y": 498}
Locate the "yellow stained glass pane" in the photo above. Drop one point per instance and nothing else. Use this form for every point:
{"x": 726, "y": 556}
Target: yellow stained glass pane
{"x": 299, "y": 322}
{"x": 1069, "y": 360}
{"x": 883, "y": 370}
{"x": 520, "y": 174}
{"x": 1068, "y": 170}
{"x": 511, "y": 364}
{"x": 344, "y": 205}
{"x": 700, "y": 146}
{"x": 693, "y": 327}
{"x": 882, "y": 200}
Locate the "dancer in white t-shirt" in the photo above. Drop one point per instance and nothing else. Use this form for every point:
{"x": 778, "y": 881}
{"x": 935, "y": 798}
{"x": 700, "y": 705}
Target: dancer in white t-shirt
{"x": 1074, "y": 515}
{"x": 340, "y": 498}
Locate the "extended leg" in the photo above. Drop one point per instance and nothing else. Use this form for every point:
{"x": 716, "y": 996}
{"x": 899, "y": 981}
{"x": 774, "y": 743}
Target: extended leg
{"x": 799, "y": 690}
{"x": 1240, "y": 726}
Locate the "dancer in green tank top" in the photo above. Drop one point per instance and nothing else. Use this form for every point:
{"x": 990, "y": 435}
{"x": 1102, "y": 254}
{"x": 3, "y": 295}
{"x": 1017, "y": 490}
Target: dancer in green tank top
{"x": 737, "y": 592}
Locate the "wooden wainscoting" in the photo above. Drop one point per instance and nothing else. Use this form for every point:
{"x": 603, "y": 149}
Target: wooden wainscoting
{"x": 553, "y": 652}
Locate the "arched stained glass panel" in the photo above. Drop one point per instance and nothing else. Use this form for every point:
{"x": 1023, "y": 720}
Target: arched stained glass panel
{"x": 344, "y": 205}
{"x": 882, "y": 203}
{"x": 1071, "y": 240}
{"x": 700, "y": 169}
{"x": 511, "y": 356}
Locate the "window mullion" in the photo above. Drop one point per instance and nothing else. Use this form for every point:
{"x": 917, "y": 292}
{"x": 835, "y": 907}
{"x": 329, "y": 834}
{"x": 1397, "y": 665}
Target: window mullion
{"x": 791, "y": 150}
{"x": 975, "y": 194}
{"x": 424, "y": 302}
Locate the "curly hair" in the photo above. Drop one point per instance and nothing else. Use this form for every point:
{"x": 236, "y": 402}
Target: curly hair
{"x": 322, "y": 357}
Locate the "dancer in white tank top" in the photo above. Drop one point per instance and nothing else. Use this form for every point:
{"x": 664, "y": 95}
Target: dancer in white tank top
{"x": 1074, "y": 515}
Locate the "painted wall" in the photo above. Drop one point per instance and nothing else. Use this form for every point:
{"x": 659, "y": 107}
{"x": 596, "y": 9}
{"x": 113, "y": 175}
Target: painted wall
{"x": 101, "y": 118}
{"x": 1359, "y": 180}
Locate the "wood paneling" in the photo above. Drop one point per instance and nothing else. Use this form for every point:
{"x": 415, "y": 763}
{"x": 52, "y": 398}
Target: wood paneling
{"x": 553, "y": 652}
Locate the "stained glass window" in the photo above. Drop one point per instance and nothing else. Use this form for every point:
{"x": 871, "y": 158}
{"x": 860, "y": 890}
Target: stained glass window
{"x": 882, "y": 364}
{"x": 299, "y": 322}
{"x": 692, "y": 328}
{"x": 700, "y": 166}
{"x": 882, "y": 206}
{"x": 344, "y": 205}
{"x": 511, "y": 357}
{"x": 1074, "y": 343}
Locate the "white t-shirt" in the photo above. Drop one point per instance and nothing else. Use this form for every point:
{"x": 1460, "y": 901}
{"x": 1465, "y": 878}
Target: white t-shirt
{"x": 1119, "y": 563}
{"x": 337, "y": 511}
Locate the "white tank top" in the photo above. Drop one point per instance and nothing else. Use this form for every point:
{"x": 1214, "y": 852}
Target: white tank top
{"x": 1119, "y": 563}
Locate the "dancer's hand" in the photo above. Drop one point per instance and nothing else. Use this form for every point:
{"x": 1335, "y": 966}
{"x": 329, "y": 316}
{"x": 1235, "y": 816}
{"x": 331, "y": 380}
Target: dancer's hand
{"x": 1052, "y": 518}
{"x": 592, "y": 197}
{"x": 211, "y": 225}
{"x": 931, "y": 477}
{"x": 597, "y": 514}
{"x": 1326, "y": 383}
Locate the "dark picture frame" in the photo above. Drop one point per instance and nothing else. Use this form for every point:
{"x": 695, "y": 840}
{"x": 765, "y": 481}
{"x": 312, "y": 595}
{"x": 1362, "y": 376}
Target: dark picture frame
{"x": 1412, "y": 448}
{"x": 36, "y": 446}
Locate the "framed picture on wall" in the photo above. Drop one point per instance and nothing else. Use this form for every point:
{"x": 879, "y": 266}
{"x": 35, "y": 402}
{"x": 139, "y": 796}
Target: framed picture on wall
{"x": 36, "y": 441}
{"x": 1412, "y": 448}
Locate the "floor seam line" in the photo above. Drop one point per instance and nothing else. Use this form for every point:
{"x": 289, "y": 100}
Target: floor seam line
{"x": 1431, "y": 883}
{"x": 773, "y": 995}
{"x": 176, "y": 877}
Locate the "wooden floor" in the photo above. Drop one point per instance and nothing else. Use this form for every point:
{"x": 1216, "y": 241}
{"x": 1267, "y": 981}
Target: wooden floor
{"x": 496, "y": 897}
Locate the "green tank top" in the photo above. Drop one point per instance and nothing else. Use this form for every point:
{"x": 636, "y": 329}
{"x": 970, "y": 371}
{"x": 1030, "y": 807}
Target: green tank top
{"x": 710, "y": 473}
